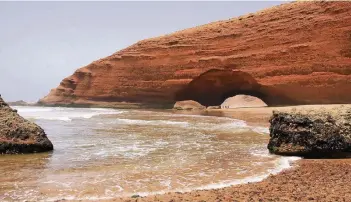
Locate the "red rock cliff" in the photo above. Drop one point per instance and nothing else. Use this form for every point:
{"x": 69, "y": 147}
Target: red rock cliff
{"x": 295, "y": 53}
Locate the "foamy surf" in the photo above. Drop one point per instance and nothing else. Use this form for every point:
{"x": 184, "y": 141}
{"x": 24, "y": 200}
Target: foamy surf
{"x": 151, "y": 122}
{"x": 136, "y": 152}
{"x": 283, "y": 163}
{"x": 63, "y": 113}
{"x": 260, "y": 130}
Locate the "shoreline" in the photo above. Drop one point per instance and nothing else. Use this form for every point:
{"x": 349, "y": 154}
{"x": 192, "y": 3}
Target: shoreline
{"x": 308, "y": 180}
{"x": 304, "y": 180}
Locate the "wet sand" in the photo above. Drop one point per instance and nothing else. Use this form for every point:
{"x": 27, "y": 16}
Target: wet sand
{"x": 308, "y": 180}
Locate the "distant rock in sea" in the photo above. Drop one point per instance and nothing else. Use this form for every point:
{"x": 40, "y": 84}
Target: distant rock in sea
{"x": 18, "y": 135}
{"x": 311, "y": 134}
{"x": 20, "y": 103}
{"x": 188, "y": 105}
{"x": 239, "y": 101}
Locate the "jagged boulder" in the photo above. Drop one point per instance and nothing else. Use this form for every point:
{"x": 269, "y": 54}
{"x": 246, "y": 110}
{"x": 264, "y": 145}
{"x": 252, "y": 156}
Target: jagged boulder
{"x": 314, "y": 134}
{"x": 188, "y": 105}
{"x": 18, "y": 135}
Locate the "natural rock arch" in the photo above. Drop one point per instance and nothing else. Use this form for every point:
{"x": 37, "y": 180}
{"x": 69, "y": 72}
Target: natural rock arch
{"x": 214, "y": 86}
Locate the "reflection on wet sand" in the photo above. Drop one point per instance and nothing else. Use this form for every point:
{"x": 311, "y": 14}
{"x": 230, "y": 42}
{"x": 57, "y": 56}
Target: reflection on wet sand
{"x": 19, "y": 173}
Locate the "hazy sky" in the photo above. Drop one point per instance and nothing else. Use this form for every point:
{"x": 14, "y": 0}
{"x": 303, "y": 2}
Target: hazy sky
{"x": 43, "y": 42}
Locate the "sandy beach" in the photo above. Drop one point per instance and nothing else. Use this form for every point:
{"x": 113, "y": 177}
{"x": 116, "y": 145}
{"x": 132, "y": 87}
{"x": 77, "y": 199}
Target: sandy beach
{"x": 307, "y": 180}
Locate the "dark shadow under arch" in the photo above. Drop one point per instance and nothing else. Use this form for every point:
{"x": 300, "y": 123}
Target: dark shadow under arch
{"x": 214, "y": 86}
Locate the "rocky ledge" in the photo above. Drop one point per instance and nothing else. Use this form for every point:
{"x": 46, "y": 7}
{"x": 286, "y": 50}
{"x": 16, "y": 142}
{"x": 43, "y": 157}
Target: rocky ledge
{"x": 318, "y": 133}
{"x": 18, "y": 135}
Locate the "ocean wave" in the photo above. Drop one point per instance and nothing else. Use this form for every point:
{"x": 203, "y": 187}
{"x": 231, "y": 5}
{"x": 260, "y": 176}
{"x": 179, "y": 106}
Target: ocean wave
{"x": 63, "y": 113}
{"x": 261, "y": 153}
{"x": 32, "y": 109}
{"x": 282, "y": 163}
{"x": 150, "y": 122}
{"x": 260, "y": 130}
{"x": 63, "y": 118}
{"x": 234, "y": 125}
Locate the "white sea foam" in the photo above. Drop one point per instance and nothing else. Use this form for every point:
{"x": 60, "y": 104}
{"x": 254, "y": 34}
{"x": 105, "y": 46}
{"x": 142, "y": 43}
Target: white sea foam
{"x": 128, "y": 146}
{"x": 150, "y": 122}
{"x": 281, "y": 164}
{"x": 261, "y": 153}
{"x": 63, "y": 113}
{"x": 235, "y": 124}
{"x": 260, "y": 130}
{"x": 22, "y": 109}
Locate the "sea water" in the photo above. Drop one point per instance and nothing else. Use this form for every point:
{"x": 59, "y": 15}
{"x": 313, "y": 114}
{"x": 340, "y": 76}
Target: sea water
{"x": 108, "y": 153}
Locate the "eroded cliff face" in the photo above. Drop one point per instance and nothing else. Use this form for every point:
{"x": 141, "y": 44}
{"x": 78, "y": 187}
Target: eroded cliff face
{"x": 300, "y": 52}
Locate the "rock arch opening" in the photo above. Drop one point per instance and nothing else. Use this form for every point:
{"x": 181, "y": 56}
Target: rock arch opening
{"x": 215, "y": 86}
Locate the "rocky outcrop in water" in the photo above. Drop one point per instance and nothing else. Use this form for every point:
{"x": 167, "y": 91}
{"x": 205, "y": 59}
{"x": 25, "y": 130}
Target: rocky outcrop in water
{"x": 295, "y": 53}
{"x": 188, "y": 105}
{"x": 20, "y": 103}
{"x": 18, "y": 135}
{"x": 313, "y": 134}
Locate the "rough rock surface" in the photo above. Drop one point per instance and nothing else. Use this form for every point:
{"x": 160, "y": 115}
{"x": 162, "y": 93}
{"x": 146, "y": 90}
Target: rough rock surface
{"x": 311, "y": 134}
{"x": 239, "y": 101}
{"x": 18, "y": 135}
{"x": 295, "y": 53}
{"x": 188, "y": 105}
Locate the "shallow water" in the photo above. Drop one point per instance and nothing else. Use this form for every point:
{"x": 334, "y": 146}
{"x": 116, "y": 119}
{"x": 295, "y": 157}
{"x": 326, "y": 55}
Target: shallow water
{"x": 105, "y": 153}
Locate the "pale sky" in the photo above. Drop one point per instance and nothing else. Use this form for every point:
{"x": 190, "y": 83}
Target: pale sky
{"x": 43, "y": 42}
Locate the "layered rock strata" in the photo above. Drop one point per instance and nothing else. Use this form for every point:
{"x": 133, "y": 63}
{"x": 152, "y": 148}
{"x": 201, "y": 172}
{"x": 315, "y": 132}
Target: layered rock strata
{"x": 295, "y": 53}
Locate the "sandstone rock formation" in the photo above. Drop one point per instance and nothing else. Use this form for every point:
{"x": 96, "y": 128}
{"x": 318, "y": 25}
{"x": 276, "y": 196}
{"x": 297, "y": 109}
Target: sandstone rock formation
{"x": 188, "y": 105}
{"x": 314, "y": 134}
{"x": 239, "y": 101}
{"x": 295, "y": 53}
{"x": 18, "y": 135}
